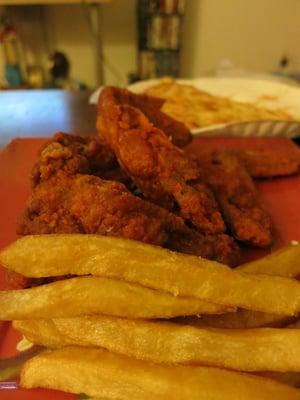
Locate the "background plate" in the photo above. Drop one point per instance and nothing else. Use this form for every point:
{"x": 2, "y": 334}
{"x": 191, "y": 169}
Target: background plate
{"x": 263, "y": 93}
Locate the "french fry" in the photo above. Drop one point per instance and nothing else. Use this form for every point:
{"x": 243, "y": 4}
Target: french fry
{"x": 241, "y": 319}
{"x": 153, "y": 267}
{"x": 94, "y": 295}
{"x": 288, "y": 378}
{"x": 99, "y": 373}
{"x": 294, "y": 325}
{"x": 165, "y": 342}
{"x": 283, "y": 262}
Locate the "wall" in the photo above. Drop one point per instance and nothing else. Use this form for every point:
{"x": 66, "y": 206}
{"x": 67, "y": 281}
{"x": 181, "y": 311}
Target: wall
{"x": 68, "y": 28}
{"x": 253, "y": 34}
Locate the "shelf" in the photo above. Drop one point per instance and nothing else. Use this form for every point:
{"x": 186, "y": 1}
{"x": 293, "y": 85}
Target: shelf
{"x": 41, "y": 2}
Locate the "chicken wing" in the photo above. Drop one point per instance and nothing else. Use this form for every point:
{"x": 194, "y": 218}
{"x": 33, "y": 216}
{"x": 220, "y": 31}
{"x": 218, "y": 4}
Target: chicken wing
{"x": 259, "y": 163}
{"x": 162, "y": 171}
{"x": 238, "y": 198}
{"x": 178, "y": 133}
{"x": 269, "y": 164}
{"x": 88, "y": 204}
{"x": 75, "y": 154}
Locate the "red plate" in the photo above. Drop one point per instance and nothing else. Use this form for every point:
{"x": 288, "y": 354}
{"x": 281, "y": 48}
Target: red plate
{"x": 280, "y": 195}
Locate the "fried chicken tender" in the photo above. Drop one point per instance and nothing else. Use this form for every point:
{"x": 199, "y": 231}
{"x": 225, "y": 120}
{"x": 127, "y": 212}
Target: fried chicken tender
{"x": 75, "y": 154}
{"x": 88, "y": 204}
{"x": 269, "y": 164}
{"x": 259, "y": 163}
{"x": 178, "y": 133}
{"x": 162, "y": 171}
{"x": 238, "y": 199}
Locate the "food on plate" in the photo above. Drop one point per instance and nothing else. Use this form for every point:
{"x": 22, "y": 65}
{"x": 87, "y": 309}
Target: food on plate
{"x": 98, "y": 312}
{"x": 73, "y": 155}
{"x": 269, "y": 164}
{"x": 288, "y": 378}
{"x": 241, "y": 319}
{"x": 260, "y": 163}
{"x": 197, "y": 108}
{"x": 90, "y": 295}
{"x": 238, "y": 198}
{"x": 88, "y": 204}
{"x": 167, "y": 342}
{"x": 282, "y": 262}
{"x": 151, "y": 107}
{"x": 295, "y": 325}
{"x": 99, "y": 373}
{"x": 153, "y": 267}
{"x": 161, "y": 171}
{"x": 103, "y": 270}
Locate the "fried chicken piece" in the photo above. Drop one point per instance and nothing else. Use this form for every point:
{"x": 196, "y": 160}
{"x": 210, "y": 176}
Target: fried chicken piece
{"x": 269, "y": 164}
{"x": 75, "y": 154}
{"x": 160, "y": 170}
{"x": 150, "y": 106}
{"x": 260, "y": 163}
{"x": 238, "y": 199}
{"x": 88, "y": 204}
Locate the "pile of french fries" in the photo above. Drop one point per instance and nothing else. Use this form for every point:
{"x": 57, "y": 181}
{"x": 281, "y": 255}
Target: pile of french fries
{"x": 135, "y": 321}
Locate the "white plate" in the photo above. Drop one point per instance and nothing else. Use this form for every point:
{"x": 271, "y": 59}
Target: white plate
{"x": 264, "y": 93}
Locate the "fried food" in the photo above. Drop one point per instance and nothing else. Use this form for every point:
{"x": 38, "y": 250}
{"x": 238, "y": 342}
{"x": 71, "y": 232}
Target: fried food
{"x": 94, "y": 295}
{"x": 73, "y": 154}
{"x": 259, "y": 163}
{"x": 197, "y": 108}
{"x": 153, "y": 267}
{"x": 239, "y": 200}
{"x": 170, "y": 343}
{"x": 283, "y": 262}
{"x": 269, "y": 164}
{"x": 88, "y": 204}
{"x": 288, "y": 378}
{"x": 178, "y": 133}
{"x": 99, "y": 373}
{"x": 241, "y": 319}
{"x": 162, "y": 172}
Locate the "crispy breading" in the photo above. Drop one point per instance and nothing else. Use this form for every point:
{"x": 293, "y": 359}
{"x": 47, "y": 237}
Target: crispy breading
{"x": 162, "y": 171}
{"x": 73, "y": 154}
{"x": 238, "y": 198}
{"x": 178, "y": 133}
{"x": 88, "y": 204}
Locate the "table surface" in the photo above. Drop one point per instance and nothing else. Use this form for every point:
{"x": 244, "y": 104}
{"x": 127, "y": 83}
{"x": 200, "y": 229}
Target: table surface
{"x": 31, "y": 113}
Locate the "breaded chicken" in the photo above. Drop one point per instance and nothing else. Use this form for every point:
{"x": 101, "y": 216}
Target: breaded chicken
{"x": 176, "y": 131}
{"x": 75, "y": 154}
{"x": 162, "y": 171}
{"x": 238, "y": 198}
{"x": 88, "y": 204}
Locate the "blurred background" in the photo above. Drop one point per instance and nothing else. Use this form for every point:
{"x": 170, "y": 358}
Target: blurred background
{"x": 82, "y": 45}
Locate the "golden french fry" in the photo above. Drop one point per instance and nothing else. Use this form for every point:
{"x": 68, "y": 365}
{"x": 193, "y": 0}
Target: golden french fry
{"x": 241, "y": 319}
{"x": 288, "y": 378}
{"x": 283, "y": 262}
{"x": 165, "y": 342}
{"x": 294, "y": 325}
{"x": 95, "y": 295}
{"x": 153, "y": 267}
{"x": 99, "y": 373}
